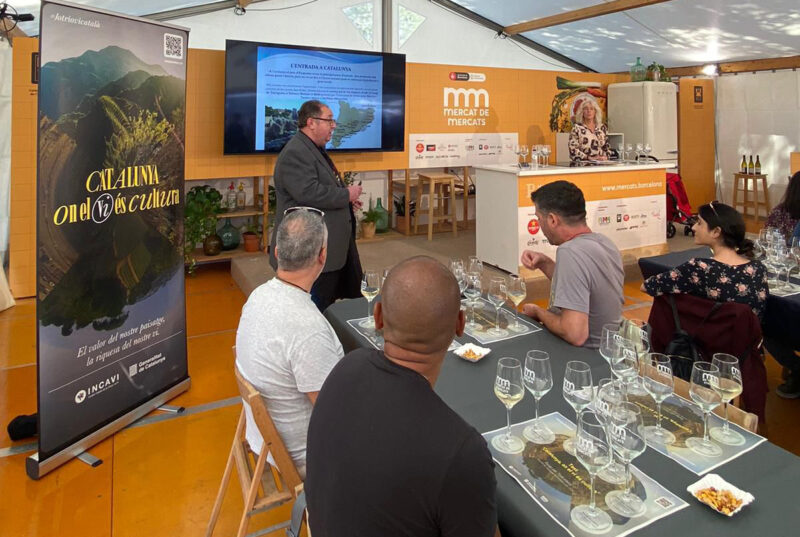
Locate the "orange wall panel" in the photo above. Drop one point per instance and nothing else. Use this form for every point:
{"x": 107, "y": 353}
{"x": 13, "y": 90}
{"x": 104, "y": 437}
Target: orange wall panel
{"x": 696, "y": 146}
{"x": 22, "y": 224}
{"x": 794, "y": 162}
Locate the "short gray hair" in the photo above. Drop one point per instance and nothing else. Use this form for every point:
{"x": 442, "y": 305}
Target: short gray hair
{"x": 299, "y": 240}
{"x": 598, "y": 114}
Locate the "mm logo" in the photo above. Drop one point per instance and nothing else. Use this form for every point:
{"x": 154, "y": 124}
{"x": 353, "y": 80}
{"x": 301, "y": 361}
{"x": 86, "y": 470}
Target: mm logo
{"x": 471, "y": 97}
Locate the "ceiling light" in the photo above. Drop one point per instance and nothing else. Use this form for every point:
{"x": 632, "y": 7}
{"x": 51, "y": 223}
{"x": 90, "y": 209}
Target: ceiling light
{"x": 710, "y": 70}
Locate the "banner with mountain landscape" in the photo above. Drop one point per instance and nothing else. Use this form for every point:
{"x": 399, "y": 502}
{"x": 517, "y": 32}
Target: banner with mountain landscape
{"x": 110, "y": 281}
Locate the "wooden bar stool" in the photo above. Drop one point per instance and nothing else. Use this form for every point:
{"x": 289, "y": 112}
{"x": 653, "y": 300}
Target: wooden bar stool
{"x": 745, "y": 189}
{"x": 441, "y": 200}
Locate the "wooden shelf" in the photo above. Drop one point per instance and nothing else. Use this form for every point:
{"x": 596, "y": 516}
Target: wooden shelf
{"x": 224, "y": 255}
{"x": 249, "y": 211}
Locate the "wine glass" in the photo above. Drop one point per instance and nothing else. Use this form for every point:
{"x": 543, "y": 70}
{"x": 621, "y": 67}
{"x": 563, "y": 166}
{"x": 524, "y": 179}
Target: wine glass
{"x": 523, "y": 151}
{"x": 593, "y": 451}
{"x": 647, "y": 150}
{"x": 516, "y": 293}
{"x": 621, "y": 152}
{"x": 577, "y": 391}
{"x": 508, "y": 388}
{"x": 473, "y": 293}
{"x": 517, "y": 152}
{"x": 703, "y": 391}
{"x": 791, "y": 263}
{"x": 659, "y": 383}
{"x": 475, "y": 265}
{"x": 729, "y": 388}
{"x": 456, "y": 264}
{"x": 639, "y": 151}
{"x": 384, "y": 275}
{"x": 637, "y": 332}
{"x": 370, "y": 287}
{"x": 609, "y": 394}
{"x": 794, "y": 248}
{"x": 535, "y": 152}
{"x": 625, "y": 366}
{"x": 609, "y": 335}
{"x": 626, "y": 435}
{"x": 497, "y": 295}
{"x": 538, "y": 379}
{"x": 546, "y": 152}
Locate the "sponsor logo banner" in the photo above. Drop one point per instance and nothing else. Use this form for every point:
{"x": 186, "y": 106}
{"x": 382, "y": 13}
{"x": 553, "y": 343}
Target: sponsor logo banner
{"x": 461, "y": 149}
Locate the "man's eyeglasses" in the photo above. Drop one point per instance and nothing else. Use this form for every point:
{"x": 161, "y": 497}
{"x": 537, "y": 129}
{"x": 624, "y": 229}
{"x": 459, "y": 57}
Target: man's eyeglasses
{"x": 301, "y": 208}
{"x": 329, "y": 120}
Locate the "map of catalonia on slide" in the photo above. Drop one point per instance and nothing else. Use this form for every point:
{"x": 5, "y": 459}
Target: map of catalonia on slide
{"x": 351, "y": 121}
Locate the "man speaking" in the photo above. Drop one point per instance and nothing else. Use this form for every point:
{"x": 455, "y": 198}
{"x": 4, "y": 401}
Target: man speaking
{"x": 305, "y": 176}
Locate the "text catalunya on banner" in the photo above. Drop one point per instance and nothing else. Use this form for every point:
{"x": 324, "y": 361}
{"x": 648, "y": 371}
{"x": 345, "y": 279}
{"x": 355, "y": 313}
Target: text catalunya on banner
{"x": 110, "y": 295}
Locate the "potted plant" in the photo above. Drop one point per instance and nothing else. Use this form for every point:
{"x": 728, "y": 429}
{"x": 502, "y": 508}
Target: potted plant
{"x": 203, "y": 203}
{"x": 400, "y": 210}
{"x": 251, "y": 238}
{"x": 368, "y": 221}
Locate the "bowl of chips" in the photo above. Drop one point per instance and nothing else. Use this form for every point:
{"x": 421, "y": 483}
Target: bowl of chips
{"x": 720, "y": 495}
{"x": 471, "y": 352}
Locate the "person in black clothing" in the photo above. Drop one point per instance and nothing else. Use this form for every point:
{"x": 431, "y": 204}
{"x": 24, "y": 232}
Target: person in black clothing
{"x": 386, "y": 456}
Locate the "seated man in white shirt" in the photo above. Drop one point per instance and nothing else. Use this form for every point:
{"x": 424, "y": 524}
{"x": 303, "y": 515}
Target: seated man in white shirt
{"x": 284, "y": 346}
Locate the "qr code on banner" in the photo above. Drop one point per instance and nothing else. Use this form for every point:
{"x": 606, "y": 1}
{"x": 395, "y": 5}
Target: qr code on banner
{"x": 173, "y": 46}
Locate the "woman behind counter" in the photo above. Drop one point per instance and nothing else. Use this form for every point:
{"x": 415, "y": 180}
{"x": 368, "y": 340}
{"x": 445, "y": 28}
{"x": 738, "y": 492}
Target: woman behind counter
{"x": 589, "y": 137}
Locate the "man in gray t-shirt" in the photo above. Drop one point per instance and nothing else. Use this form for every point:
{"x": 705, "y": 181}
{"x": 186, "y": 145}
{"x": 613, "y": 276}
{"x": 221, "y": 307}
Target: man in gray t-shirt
{"x": 284, "y": 346}
{"x": 587, "y": 275}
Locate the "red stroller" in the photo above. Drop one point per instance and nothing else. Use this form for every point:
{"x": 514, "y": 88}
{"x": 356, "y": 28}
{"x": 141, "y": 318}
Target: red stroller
{"x": 679, "y": 210}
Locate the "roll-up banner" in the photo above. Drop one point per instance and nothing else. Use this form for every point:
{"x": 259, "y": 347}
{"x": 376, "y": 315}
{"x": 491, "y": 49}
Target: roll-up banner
{"x": 110, "y": 298}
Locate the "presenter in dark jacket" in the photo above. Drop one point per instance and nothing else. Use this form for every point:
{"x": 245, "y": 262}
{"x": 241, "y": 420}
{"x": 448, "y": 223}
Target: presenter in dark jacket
{"x": 305, "y": 176}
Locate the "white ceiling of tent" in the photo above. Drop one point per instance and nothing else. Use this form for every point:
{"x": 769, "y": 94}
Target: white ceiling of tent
{"x": 676, "y": 33}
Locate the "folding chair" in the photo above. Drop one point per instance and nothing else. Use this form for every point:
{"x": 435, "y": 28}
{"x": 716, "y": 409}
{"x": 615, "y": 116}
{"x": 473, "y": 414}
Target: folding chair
{"x": 260, "y": 493}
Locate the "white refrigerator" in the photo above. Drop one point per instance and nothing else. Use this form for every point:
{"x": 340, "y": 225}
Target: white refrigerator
{"x": 646, "y": 112}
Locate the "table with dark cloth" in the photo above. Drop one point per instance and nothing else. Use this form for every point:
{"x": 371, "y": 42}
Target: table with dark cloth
{"x": 781, "y": 317}
{"x": 768, "y": 472}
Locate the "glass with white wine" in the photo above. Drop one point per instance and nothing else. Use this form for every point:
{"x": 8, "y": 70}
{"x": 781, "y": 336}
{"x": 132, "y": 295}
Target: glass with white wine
{"x": 578, "y": 391}
{"x": 538, "y": 379}
{"x": 658, "y": 381}
{"x": 517, "y": 291}
{"x": 509, "y": 389}
{"x": 370, "y": 287}
{"x": 473, "y": 293}
{"x": 729, "y": 388}
{"x": 703, "y": 391}
{"x": 497, "y": 295}
{"x": 593, "y": 451}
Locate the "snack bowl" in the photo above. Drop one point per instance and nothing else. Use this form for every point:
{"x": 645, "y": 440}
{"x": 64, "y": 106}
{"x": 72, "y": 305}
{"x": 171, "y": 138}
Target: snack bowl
{"x": 712, "y": 484}
{"x": 471, "y": 352}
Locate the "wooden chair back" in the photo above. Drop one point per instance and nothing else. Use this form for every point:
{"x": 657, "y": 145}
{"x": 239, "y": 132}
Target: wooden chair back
{"x": 261, "y": 490}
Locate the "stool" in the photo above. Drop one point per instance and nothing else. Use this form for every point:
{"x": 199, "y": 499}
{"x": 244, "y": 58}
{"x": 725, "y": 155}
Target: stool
{"x": 745, "y": 190}
{"x": 441, "y": 200}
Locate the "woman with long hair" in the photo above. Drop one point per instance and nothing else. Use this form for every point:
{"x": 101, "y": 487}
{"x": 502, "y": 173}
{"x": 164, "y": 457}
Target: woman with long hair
{"x": 588, "y": 139}
{"x": 731, "y": 275}
{"x": 786, "y": 215}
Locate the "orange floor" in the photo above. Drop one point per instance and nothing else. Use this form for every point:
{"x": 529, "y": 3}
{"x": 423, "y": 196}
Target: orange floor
{"x": 159, "y": 477}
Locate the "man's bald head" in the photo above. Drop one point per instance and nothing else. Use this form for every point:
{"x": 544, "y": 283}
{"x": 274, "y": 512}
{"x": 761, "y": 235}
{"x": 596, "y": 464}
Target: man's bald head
{"x": 420, "y": 300}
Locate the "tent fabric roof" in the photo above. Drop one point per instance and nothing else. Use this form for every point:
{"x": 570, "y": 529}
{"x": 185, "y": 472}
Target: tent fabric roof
{"x": 673, "y": 33}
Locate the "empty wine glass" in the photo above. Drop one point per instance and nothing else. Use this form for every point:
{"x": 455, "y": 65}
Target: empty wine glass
{"x": 593, "y": 451}
{"x": 475, "y": 265}
{"x": 538, "y": 379}
{"x": 578, "y": 392}
{"x": 659, "y": 383}
{"x": 621, "y": 152}
{"x": 473, "y": 293}
{"x": 791, "y": 263}
{"x": 535, "y": 152}
{"x": 508, "y": 388}
{"x": 546, "y": 152}
{"x": 609, "y": 335}
{"x": 516, "y": 293}
{"x": 628, "y": 151}
{"x": 497, "y": 295}
{"x": 626, "y": 435}
{"x": 455, "y": 264}
{"x": 517, "y": 152}
{"x": 703, "y": 391}
{"x": 626, "y": 365}
{"x": 609, "y": 394}
{"x": 370, "y": 287}
{"x": 639, "y": 151}
{"x": 728, "y": 388}
{"x": 647, "y": 150}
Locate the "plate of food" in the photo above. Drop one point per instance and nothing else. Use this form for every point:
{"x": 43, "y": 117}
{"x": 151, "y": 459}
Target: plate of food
{"x": 471, "y": 352}
{"x": 720, "y": 495}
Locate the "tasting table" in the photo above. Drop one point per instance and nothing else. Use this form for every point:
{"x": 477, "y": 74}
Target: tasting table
{"x": 781, "y": 317}
{"x": 768, "y": 472}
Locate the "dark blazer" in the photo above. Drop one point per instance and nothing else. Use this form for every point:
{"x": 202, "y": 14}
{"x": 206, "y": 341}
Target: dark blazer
{"x": 303, "y": 177}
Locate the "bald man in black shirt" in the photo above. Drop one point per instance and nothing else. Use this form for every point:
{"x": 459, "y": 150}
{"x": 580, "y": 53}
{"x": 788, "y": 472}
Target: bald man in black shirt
{"x": 386, "y": 456}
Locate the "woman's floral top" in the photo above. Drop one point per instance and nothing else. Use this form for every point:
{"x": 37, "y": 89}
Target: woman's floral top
{"x": 709, "y": 278}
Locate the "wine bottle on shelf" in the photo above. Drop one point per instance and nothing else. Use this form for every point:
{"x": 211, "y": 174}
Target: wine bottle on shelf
{"x": 231, "y": 198}
{"x": 241, "y": 198}
{"x": 758, "y": 165}
{"x": 744, "y": 165}
{"x": 751, "y": 168}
